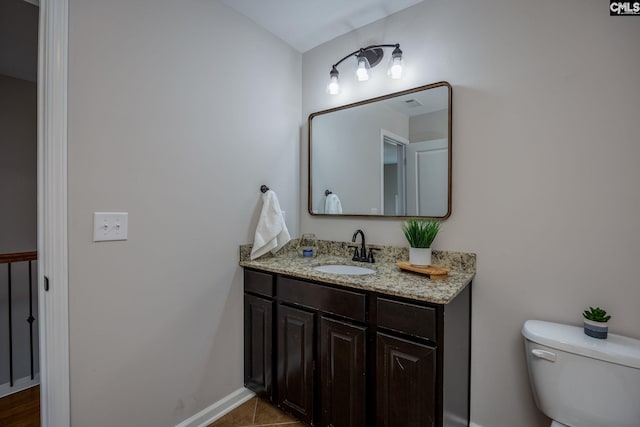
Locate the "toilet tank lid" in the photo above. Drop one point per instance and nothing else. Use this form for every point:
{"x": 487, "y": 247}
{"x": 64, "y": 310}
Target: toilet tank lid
{"x": 615, "y": 349}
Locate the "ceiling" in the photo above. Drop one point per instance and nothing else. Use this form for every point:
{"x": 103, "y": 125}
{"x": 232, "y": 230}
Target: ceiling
{"x": 305, "y": 24}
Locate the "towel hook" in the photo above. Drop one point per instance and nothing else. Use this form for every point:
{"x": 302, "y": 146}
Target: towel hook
{"x": 327, "y": 192}
{"x": 264, "y": 188}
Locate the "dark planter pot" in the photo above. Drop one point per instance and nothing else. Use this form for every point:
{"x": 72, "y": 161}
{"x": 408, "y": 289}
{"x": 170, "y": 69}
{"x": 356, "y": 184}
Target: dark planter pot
{"x": 596, "y": 329}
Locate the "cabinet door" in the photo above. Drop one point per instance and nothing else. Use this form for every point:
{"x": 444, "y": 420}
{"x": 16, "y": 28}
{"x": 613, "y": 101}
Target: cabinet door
{"x": 342, "y": 373}
{"x": 295, "y": 361}
{"x": 405, "y": 377}
{"x": 258, "y": 339}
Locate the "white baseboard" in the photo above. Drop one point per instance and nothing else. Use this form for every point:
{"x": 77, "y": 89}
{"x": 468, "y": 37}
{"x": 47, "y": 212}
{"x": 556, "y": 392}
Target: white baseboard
{"x": 19, "y": 385}
{"x": 218, "y": 409}
{"x": 453, "y": 420}
{"x": 226, "y": 405}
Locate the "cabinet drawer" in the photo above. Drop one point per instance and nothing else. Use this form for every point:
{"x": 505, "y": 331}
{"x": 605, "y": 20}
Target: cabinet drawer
{"x": 408, "y": 318}
{"x": 329, "y": 300}
{"x": 258, "y": 283}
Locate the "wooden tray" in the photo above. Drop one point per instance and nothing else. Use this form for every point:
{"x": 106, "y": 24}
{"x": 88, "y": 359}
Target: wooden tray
{"x": 433, "y": 271}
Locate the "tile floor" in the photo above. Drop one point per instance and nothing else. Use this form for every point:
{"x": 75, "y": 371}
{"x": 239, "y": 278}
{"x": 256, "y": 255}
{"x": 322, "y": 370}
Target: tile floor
{"x": 256, "y": 412}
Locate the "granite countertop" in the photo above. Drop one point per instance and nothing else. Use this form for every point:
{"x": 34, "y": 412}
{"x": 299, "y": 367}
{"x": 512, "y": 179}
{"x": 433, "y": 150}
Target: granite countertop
{"x": 389, "y": 279}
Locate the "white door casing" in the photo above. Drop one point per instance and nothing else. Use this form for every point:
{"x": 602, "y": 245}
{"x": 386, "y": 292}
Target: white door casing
{"x": 52, "y": 213}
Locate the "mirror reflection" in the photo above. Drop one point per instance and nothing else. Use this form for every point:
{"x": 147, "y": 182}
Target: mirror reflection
{"x": 387, "y": 156}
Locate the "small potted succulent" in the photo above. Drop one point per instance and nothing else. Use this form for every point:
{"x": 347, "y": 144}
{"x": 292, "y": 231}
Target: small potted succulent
{"x": 595, "y": 322}
{"x": 420, "y": 233}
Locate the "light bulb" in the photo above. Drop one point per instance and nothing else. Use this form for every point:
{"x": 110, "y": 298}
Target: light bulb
{"x": 361, "y": 73}
{"x": 395, "y": 65}
{"x": 395, "y": 68}
{"x": 333, "y": 87}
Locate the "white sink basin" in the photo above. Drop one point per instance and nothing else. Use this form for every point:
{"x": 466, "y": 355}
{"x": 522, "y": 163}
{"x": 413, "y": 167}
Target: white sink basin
{"x": 344, "y": 269}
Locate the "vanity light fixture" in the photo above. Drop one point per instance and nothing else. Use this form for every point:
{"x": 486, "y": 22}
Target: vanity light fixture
{"x": 367, "y": 58}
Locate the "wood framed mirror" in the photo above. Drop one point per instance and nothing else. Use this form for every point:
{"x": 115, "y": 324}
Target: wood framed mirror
{"x": 388, "y": 156}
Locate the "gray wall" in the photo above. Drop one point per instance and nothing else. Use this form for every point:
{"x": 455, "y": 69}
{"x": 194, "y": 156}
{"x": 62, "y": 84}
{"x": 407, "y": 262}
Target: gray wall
{"x": 18, "y": 162}
{"x": 545, "y": 167}
{"x": 18, "y": 216}
{"x": 19, "y": 39}
{"x": 178, "y": 112}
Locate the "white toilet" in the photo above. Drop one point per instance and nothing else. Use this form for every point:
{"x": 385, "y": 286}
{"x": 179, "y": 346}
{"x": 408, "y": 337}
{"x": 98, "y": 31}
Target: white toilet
{"x": 581, "y": 381}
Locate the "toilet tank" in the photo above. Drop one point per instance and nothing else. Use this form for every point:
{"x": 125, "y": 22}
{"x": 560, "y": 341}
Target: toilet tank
{"x": 583, "y": 381}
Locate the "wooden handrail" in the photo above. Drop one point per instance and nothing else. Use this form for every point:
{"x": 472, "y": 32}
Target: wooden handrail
{"x": 18, "y": 257}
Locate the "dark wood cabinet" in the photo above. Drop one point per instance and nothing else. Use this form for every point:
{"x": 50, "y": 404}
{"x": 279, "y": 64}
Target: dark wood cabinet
{"x": 258, "y": 344}
{"x": 295, "y": 365}
{"x": 258, "y": 332}
{"x": 405, "y": 388}
{"x": 340, "y": 357}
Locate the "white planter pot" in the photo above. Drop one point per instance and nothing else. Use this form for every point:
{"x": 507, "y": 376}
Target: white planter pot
{"x": 420, "y": 257}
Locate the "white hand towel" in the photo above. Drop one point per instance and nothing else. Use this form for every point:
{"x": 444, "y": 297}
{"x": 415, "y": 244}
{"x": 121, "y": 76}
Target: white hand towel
{"x": 271, "y": 232}
{"x": 332, "y": 205}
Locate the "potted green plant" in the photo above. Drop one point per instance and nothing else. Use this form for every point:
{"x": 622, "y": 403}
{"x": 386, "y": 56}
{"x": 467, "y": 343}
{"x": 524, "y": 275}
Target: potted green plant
{"x": 420, "y": 233}
{"x": 595, "y": 322}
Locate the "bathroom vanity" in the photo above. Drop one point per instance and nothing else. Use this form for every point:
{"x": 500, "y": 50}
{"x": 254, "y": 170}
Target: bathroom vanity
{"x": 385, "y": 349}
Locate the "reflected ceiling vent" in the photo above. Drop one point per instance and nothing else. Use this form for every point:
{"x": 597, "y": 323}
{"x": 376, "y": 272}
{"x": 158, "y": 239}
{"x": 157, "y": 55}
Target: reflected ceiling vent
{"x": 412, "y": 103}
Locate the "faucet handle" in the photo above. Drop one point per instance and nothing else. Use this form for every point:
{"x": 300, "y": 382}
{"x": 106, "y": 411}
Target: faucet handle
{"x": 370, "y": 257}
{"x": 356, "y": 254}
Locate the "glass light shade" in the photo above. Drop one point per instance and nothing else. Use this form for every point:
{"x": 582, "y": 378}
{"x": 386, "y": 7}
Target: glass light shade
{"x": 333, "y": 87}
{"x": 395, "y": 67}
{"x": 362, "y": 73}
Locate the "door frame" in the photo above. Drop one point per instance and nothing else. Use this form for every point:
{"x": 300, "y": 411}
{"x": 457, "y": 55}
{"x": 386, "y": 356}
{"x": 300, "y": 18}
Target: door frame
{"x": 52, "y": 213}
{"x": 386, "y": 134}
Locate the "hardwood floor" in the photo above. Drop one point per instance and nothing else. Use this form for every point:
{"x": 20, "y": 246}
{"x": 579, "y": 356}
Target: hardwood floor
{"x": 21, "y": 409}
{"x": 256, "y": 412}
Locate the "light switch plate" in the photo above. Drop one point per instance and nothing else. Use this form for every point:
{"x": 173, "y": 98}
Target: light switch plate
{"x": 110, "y": 226}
